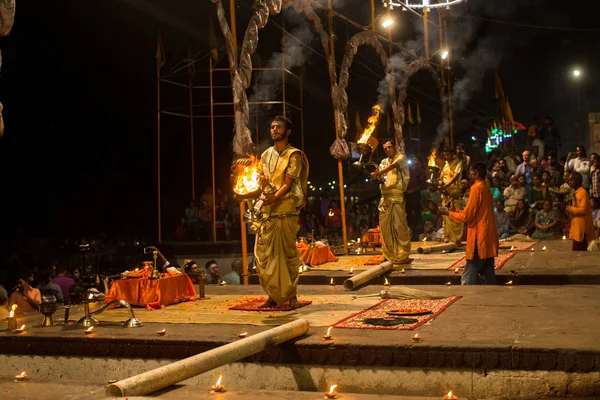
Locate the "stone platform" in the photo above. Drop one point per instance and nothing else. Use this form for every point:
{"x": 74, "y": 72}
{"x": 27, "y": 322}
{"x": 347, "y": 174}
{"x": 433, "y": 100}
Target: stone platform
{"x": 538, "y": 340}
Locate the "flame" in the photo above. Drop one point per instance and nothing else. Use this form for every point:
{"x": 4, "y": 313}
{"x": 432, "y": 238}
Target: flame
{"x": 329, "y": 331}
{"x": 12, "y": 311}
{"x": 218, "y": 384}
{"x": 331, "y": 214}
{"x": 89, "y": 330}
{"x": 416, "y": 336}
{"x": 386, "y": 282}
{"x": 351, "y": 269}
{"x": 425, "y": 239}
{"x": 432, "y": 159}
{"x": 449, "y": 395}
{"x": 372, "y": 123}
{"x": 331, "y": 282}
{"x": 544, "y": 248}
{"x": 247, "y": 177}
{"x": 332, "y": 389}
{"x": 509, "y": 283}
{"x": 403, "y": 271}
{"x": 564, "y": 238}
{"x": 22, "y": 328}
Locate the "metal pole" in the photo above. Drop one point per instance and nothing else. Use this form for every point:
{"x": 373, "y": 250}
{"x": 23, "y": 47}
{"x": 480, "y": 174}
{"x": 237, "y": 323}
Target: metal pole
{"x": 158, "y": 151}
{"x": 373, "y": 15}
{"x": 337, "y": 134}
{"x": 426, "y": 32}
{"x": 301, "y": 112}
{"x": 191, "y": 88}
{"x": 233, "y": 24}
{"x": 212, "y": 147}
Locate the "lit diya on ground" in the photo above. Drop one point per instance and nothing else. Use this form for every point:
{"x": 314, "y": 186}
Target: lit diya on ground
{"x": 386, "y": 282}
{"x": 544, "y": 248}
{"x": 456, "y": 270}
{"x": 448, "y": 283}
{"x": 331, "y": 282}
{"x": 89, "y": 330}
{"x": 351, "y": 271}
{"x": 327, "y": 336}
{"x": 509, "y": 283}
{"x": 21, "y": 377}
{"x": 218, "y": 387}
{"x": 161, "y": 332}
{"x": 21, "y": 329}
{"x": 450, "y": 396}
{"x": 403, "y": 271}
{"x": 332, "y": 392}
{"x": 416, "y": 338}
{"x": 243, "y": 334}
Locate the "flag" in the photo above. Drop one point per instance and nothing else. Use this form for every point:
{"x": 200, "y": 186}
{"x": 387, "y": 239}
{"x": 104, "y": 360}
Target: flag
{"x": 409, "y": 117}
{"x": 418, "y": 114}
{"x": 212, "y": 41}
{"x": 160, "y": 54}
{"x": 498, "y": 91}
{"x": 191, "y": 63}
{"x": 489, "y": 133}
{"x": 358, "y": 124}
{"x": 509, "y": 114}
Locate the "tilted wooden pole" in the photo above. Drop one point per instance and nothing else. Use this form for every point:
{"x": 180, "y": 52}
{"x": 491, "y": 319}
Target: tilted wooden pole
{"x": 162, "y": 377}
{"x": 366, "y": 276}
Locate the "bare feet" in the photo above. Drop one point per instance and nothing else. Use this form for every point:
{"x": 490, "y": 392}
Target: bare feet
{"x": 294, "y": 302}
{"x": 268, "y": 303}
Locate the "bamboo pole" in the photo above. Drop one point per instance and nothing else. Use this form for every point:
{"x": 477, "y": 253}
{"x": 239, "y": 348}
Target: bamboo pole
{"x": 158, "y": 152}
{"x": 426, "y": 31}
{"x": 366, "y": 276}
{"x": 190, "y": 89}
{"x": 283, "y": 51}
{"x": 337, "y": 135}
{"x": 301, "y": 114}
{"x": 162, "y": 377}
{"x": 372, "y": 15}
{"x": 212, "y": 150}
{"x": 450, "y": 124}
{"x": 436, "y": 247}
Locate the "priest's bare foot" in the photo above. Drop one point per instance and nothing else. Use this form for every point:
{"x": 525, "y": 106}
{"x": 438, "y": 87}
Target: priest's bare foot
{"x": 268, "y": 303}
{"x": 294, "y": 302}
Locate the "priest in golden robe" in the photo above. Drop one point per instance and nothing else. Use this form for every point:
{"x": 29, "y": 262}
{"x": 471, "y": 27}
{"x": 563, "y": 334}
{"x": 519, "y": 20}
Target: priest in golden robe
{"x": 277, "y": 260}
{"x": 450, "y": 189}
{"x": 395, "y": 233}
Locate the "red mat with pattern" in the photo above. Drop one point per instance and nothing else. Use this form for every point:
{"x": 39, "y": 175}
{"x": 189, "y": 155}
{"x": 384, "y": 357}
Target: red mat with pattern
{"x": 356, "y": 321}
{"x": 253, "y": 304}
{"x": 498, "y": 262}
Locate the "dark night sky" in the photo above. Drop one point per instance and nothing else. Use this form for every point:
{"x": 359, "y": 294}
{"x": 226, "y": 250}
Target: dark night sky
{"x": 82, "y": 93}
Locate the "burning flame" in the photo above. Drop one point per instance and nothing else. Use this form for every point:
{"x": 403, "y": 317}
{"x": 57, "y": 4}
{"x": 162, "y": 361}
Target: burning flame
{"x": 332, "y": 389}
{"x": 218, "y": 384}
{"x": 331, "y": 282}
{"x": 331, "y": 214}
{"x": 329, "y": 331}
{"x": 22, "y": 376}
{"x": 89, "y": 330}
{"x": 424, "y": 239}
{"x": 386, "y": 282}
{"x": 247, "y": 177}
{"x": 449, "y": 395}
{"x": 509, "y": 282}
{"x": 21, "y": 329}
{"x": 416, "y": 336}
{"x": 351, "y": 269}
{"x": 544, "y": 248}
{"x": 432, "y": 158}
{"x": 372, "y": 123}
{"x": 12, "y": 311}
{"x": 564, "y": 238}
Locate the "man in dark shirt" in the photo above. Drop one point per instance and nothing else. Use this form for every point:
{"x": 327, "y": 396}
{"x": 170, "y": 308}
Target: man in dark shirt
{"x": 550, "y": 136}
{"x": 412, "y": 195}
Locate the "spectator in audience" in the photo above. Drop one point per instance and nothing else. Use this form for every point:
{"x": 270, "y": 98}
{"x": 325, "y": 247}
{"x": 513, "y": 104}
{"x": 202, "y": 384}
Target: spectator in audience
{"x": 512, "y": 160}
{"x": 50, "y": 292}
{"x": 182, "y": 232}
{"x": 582, "y": 227}
{"x": 193, "y": 271}
{"x": 595, "y": 179}
{"x": 524, "y": 169}
{"x": 64, "y": 282}
{"x": 513, "y": 194}
{"x": 494, "y": 189}
{"x": 554, "y": 169}
{"x": 429, "y": 233}
{"x": 234, "y": 277}
{"x": 501, "y": 172}
{"x": 537, "y": 193}
{"x": 212, "y": 272}
{"x": 595, "y": 204}
{"x": 579, "y": 162}
{"x": 191, "y": 218}
{"x": 545, "y": 222}
{"x": 549, "y": 137}
{"x": 547, "y": 180}
{"x": 223, "y": 220}
{"x": 502, "y": 220}
{"x": 207, "y": 196}
{"x": 26, "y": 298}
{"x": 521, "y": 221}
{"x": 205, "y": 219}
{"x": 533, "y": 131}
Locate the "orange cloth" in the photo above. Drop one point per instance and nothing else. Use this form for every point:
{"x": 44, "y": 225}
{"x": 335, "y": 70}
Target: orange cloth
{"x": 316, "y": 256}
{"x": 581, "y": 221}
{"x": 153, "y": 293}
{"x": 372, "y": 238}
{"x": 479, "y": 215}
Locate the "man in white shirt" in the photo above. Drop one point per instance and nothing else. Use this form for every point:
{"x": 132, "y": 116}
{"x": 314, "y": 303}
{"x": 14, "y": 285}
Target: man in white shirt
{"x": 579, "y": 164}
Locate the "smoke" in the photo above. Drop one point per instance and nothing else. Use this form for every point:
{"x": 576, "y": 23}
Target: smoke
{"x": 267, "y": 86}
{"x": 396, "y": 65}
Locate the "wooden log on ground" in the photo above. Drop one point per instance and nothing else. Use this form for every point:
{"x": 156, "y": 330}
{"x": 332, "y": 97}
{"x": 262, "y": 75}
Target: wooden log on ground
{"x": 366, "y": 276}
{"x": 162, "y": 377}
{"x": 436, "y": 247}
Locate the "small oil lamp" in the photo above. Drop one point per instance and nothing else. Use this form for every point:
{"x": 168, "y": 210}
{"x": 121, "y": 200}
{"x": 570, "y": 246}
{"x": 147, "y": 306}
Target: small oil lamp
{"x": 332, "y": 392}
{"x": 21, "y": 377}
{"x": 424, "y": 239}
{"x": 544, "y": 248}
{"x": 532, "y": 249}
{"x": 21, "y": 329}
{"x": 331, "y": 282}
{"x": 456, "y": 270}
{"x": 450, "y": 396}
{"x": 218, "y": 387}
{"x": 351, "y": 271}
{"x": 327, "y": 336}
{"x": 386, "y": 282}
{"x": 89, "y": 330}
{"x": 512, "y": 248}
{"x": 448, "y": 283}
{"x": 162, "y": 332}
{"x": 403, "y": 271}
{"x": 509, "y": 283}
{"x": 416, "y": 338}
{"x": 331, "y": 214}
{"x": 12, "y": 320}
{"x": 564, "y": 238}
{"x": 243, "y": 333}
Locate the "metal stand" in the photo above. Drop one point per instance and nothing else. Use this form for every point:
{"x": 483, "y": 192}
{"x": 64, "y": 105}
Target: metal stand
{"x": 88, "y": 319}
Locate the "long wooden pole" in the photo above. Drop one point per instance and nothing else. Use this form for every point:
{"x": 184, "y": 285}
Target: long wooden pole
{"x": 450, "y": 124}
{"x": 426, "y": 31}
{"x": 191, "y": 89}
{"x": 158, "y": 152}
{"x": 212, "y": 147}
{"x": 337, "y": 134}
{"x": 283, "y": 51}
{"x": 301, "y": 111}
{"x": 170, "y": 374}
{"x": 373, "y": 15}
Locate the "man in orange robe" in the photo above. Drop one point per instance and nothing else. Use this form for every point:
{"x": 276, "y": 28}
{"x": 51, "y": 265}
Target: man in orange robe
{"x": 582, "y": 225}
{"x": 482, "y": 233}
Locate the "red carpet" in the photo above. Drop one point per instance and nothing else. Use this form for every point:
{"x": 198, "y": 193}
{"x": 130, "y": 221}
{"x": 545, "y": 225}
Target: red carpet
{"x": 498, "y": 263}
{"x": 253, "y": 304}
{"x": 379, "y": 310}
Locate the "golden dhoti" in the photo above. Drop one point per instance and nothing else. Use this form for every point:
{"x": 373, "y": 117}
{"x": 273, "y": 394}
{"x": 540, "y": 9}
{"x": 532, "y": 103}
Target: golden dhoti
{"x": 453, "y": 231}
{"x": 395, "y": 234}
{"x": 276, "y": 255}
